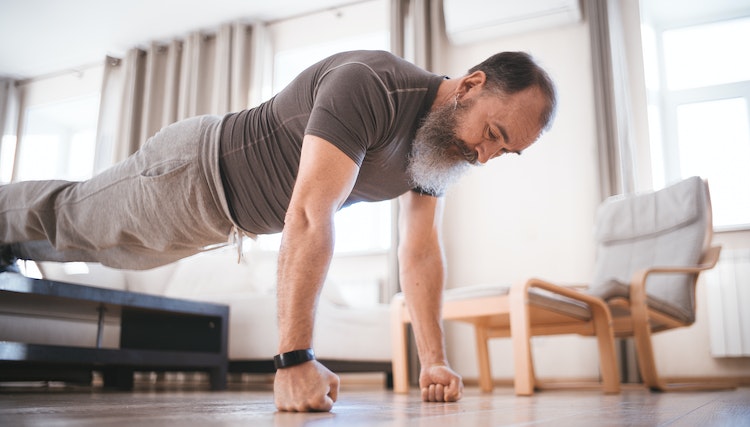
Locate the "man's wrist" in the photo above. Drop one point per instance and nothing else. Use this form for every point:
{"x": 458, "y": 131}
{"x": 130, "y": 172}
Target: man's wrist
{"x": 293, "y": 358}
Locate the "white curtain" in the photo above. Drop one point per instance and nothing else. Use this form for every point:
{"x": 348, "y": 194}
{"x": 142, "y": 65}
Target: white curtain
{"x": 147, "y": 89}
{"x": 613, "y": 110}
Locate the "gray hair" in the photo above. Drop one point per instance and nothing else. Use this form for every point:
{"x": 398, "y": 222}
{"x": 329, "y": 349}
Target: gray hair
{"x": 513, "y": 72}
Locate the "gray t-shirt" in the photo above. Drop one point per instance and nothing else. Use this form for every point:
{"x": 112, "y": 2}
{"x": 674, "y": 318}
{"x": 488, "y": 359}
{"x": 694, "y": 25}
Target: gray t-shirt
{"x": 369, "y": 104}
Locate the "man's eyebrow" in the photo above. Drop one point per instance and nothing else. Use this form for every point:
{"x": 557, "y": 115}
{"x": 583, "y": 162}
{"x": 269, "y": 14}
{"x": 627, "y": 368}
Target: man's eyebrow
{"x": 506, "y": 138}
{"x": 503, "y": 132}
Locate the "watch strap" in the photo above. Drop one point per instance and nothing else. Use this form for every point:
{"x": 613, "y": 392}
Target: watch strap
{"x": 293, "y": 358}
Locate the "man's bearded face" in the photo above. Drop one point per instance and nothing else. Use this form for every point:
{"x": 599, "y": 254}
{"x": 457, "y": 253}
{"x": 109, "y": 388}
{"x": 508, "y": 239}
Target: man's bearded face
{"x": 438, "y": 157}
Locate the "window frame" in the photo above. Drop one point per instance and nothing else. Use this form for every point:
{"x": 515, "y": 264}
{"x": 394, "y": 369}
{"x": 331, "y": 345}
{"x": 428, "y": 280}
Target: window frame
{"x": 668, "y": 102}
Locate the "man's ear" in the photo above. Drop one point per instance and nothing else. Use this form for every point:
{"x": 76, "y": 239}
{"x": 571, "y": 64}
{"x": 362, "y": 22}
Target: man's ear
{"x": 472, "y": 83}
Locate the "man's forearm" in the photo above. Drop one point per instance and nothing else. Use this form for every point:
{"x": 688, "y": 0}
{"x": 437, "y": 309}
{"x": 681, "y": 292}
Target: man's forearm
{"x": 304, "y": 257}
{"x": 422, "y": 281}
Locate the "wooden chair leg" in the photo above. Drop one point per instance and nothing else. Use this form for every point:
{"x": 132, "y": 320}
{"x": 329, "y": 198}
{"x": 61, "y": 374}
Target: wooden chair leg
{"x": 645, "y": 354}
{"x": 483, "y": 356}
{"x": 606, "y": 342}
{"x": 642, "y": 334}
{"x": 400, "y": 353}
{"x": 520, "y": 331}
{"x": 649, "y": 373}
{"x": 644, "y": 345}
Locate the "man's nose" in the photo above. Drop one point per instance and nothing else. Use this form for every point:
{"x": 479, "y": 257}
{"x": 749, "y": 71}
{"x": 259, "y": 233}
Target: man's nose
{"x": 487, "y": 151}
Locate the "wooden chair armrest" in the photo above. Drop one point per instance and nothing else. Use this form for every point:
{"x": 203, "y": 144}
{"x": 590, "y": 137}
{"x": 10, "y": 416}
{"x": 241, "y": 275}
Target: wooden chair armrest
{"x": 710, "y": 258}
{"x": 638, "y": 283}
{"x": 576, "y": 286}
{"x": 573, "y": 292}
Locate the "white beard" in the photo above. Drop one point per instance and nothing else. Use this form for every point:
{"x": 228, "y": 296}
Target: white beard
{"x": 430, "y": 170}
{"x": 434, "y": 162}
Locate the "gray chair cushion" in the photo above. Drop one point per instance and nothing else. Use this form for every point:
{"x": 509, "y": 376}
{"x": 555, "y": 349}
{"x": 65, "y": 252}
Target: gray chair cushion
{"x": 559, "y": 304}
{"x": 537, "y": 297}
{"x": 666, "y": 228}
{"x": 614, "y": 289}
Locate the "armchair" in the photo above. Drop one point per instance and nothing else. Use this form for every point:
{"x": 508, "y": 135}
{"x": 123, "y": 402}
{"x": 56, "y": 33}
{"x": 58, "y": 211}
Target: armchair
{"x": 651, "y": 248}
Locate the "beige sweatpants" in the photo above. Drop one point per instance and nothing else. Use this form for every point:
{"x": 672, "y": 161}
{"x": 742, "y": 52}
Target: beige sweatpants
{"x": 163, "y": 203}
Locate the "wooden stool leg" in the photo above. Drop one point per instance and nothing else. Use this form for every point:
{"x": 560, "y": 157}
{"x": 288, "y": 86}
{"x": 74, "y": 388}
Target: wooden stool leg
{"x": 483, "y": 355}
{"x": 400, "y": 353}
{"x": 520, "y": 331}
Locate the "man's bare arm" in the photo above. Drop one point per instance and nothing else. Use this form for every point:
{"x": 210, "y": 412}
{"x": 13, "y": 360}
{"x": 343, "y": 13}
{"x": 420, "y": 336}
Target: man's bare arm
{"x": 422, "y": 273}
{"x": 325, "y": 179}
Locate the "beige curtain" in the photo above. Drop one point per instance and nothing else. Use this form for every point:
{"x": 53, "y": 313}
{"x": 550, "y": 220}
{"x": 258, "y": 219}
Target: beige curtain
{"x": 413, "y": 33}
{"x": 411, "y": 23}
{"x": 9, "y": 105}
{"x": 614, "y": 124}
{"x": 9, "y": 110}
{"x": 412, "y": 30}
{"x": 611, "y": 83}
{"x": 147, "y": 89}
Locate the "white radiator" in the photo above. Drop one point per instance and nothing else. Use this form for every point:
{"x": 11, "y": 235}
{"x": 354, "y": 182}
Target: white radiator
{"x": 728, "y": 289}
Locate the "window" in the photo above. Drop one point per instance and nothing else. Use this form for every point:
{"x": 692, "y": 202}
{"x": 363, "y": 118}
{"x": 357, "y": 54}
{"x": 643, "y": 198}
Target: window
{"x": 706, "y": 55}
{"x": 7, "y": 157}
{"x": 59, "y": 140}
{"x": 291, "y": 57}
{"x": 698, "y": 77}
{"x": 57, "y": 135}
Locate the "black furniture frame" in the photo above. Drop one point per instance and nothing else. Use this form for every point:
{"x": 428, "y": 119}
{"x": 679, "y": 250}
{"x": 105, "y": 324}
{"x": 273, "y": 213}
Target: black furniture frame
{"x": 156, "y": 334}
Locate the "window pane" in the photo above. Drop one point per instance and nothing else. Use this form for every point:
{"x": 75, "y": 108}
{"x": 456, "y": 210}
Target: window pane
{"x": 7, "y": 157}
{"x": 289, "y": 63}
{"x": 81, "y": 155}
{"x": 364, "y": 227}
{"x": 39, "y": 157}
{"x": 714, "y": 142}
{"x": 59, "y": 139}
{"x": 706, "y": 55}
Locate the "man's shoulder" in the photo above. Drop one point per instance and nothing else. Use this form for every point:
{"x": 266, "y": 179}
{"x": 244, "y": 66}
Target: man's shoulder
{"x": 377, "y": 67}
{"x": 377, "y": 60}
{"x": 365, "y": 56}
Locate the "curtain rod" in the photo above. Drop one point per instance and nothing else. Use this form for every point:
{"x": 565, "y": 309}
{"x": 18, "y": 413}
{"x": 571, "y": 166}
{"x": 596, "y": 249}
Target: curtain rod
{"x": 76, "y": 70}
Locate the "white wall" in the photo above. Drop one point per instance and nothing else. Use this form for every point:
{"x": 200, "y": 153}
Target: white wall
{"x": 532, "y": 215}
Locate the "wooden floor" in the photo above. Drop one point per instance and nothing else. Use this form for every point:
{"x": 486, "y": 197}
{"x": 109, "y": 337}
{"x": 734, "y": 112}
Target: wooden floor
{"x": 367, "y": 405}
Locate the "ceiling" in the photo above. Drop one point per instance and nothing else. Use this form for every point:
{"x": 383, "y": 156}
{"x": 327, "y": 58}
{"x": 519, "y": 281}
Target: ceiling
{"x": 41, "y": 37}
